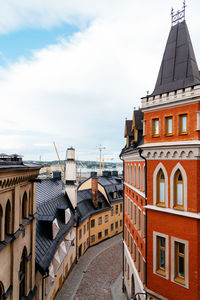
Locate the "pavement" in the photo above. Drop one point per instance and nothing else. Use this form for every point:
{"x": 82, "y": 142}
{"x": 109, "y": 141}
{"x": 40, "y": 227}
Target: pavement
{"x": 97, "y": 275}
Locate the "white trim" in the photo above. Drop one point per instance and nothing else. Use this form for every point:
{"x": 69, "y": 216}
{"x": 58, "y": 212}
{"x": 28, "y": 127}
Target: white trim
{"x": 155, "y": 182}
{"x": 178, "y": 167}
{"x": 135, "y": 190}
{"x": 171, "y": 144}
{"x": 186, "y": 243}
{"x": 144, "y": 126}
{"x": 174, "y": 211}
{"x": 198, "y": 120}
{"x": 155, "y": 235}
{"x": 133, "y": 267}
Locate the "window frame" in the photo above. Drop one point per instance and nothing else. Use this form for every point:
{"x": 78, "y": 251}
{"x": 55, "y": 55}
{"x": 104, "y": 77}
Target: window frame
{"x": 158, "y": 202}
{"x": 167, "y": 133}
{"x": 181, "y": 132}
{"x": 156, "y": 270}
{"x": 176, "y": 205}
{"x": 154, "y": 134}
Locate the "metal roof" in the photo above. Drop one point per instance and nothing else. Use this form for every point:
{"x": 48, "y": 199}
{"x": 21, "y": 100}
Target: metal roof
{"x": 179, "y": 67}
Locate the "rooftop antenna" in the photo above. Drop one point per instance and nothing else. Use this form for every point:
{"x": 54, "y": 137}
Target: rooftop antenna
{"x": 179, "y": 16}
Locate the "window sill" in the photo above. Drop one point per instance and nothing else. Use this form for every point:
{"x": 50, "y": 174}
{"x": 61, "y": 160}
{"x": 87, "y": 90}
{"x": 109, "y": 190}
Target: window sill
{"x": 177, "y": 207}
{"x": 161, "y": 272}
{"x": 180, "y": 280}
{"x": 169, "y": 134}
{"x": 155, "y": 136}
{"x": 160, "y": 204}
{"x": 183, "y": 133}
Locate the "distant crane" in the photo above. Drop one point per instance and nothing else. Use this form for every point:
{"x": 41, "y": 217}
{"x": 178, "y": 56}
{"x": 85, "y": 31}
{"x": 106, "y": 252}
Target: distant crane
{"x": 58, "y": 157}
{"x": 100, "y": 148}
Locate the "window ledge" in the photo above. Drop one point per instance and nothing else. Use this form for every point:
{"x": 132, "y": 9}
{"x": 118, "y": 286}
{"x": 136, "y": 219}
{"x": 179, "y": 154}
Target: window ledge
{"x": 180, "y": 280}
{"x": 161, "y": 272}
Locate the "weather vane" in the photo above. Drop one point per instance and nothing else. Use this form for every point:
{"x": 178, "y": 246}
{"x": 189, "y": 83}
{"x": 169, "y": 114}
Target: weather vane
{"x": 178, "y": 16}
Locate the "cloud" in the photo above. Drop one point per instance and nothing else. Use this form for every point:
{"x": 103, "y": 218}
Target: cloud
{"x": 79, "y": 91}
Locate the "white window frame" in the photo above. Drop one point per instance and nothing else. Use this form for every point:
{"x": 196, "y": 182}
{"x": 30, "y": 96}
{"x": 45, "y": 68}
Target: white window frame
{"x": 155, "y": 235}
{"x": 144, "y": 225}
{"x": 159, "y": 167}
{"x": 186, "y": 243}
{"x": 184, "y": 175}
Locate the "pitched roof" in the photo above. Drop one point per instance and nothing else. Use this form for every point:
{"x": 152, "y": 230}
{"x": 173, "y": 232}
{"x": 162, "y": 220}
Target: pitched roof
{"x": 128, "y": 125}
{"x": 138, "y": 116}
{"x": 50, "y": 197}
{"x": 179, "y": 67}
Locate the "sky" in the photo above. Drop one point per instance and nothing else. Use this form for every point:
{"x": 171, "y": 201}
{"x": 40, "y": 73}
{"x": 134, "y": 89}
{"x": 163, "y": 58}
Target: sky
{"x": 71, "y": 71}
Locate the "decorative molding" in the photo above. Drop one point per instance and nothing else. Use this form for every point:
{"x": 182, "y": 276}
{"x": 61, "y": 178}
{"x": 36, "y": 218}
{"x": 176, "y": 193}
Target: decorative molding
{"x": 173, "y": 211}
{"x": 135, "y": 190}
{"x": 172, "y": 99}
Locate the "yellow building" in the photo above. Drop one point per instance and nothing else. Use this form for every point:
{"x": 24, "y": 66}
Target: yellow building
{"x": 17, "y": 228}
{"x": 100, "y": 209}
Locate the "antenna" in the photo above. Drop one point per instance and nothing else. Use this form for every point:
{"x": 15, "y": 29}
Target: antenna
{"x": 179, "y": 16}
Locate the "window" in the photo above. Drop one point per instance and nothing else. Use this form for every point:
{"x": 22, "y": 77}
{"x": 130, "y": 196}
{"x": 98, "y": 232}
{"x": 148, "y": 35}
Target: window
{"x": 179, "y": 261}
{"x": 139, "y": 262}
{"x": 100, "y": 220}
{"x": 87, "y": 226}
{"x": 84, "y": 245}
{"x": 139, "y": 176}
{"x": 99, "y": 235}
{"x": 135, "y": 214}
{"x": 131, "y": 245}
{"x": 80, "y": 234}
{"x": 131, "y": 210}
{"x": 161, "y": 255}
{"x": 178, "y": 191}
{"x": 92, "y": 238}
{"x": 120, "y": 222}
{"x": 93, "y": 223}
{"x": 8, "y": 218}
{"x": 131, "y": 174}
{"x": 155, "y": 127}
{"x": 121, "y": 207}
{"x": 161, "y": 188}
{"x": 106, "y": 232}
{"x": 84, "y": 230}
{"x": 112, "y": 227}
{"x": 112, "y": 209}
{"x": 106, "y": 218}
{"x": 135, "y": 252}
{"x": 139, "y": 219}
{"x": 87, "y": 241}
{"x": 116, "y": 209}
{"x": 144, "y": 225}
{"x": 116, "y": 224}
{"x": 168, "y": 126}
{"x": 134, "y": 175}
{"x": 128, "y": 239}
{"x": 128, "y": 206}
{"x": 183, "y": 124}
{"x": 22, "y": 275}
{"x": 114, "y": 195}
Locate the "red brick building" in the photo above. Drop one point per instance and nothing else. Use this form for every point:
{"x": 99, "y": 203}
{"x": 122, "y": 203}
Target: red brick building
{"x": 171, "y": 147}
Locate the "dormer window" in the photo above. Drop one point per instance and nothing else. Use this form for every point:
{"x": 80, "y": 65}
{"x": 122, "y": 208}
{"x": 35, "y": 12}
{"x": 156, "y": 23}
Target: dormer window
{"x": 55, "y": 228}
{"x": 114, "y": 195}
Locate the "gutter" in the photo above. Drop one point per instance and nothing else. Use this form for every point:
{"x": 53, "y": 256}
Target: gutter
{"x": 123, "y": 286}
{"x": 140, "y": 153}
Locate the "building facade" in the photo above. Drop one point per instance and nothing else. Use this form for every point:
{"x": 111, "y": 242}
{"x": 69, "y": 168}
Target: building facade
{"x": 17, "y": 227}
{"x": 171, "y": 149}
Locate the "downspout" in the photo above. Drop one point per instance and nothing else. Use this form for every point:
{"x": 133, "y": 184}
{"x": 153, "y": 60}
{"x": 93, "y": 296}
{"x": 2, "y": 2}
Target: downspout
{"x": 123, "y": 289}
{"x": 140, "y": 153}
{"x": 43, "y": 277}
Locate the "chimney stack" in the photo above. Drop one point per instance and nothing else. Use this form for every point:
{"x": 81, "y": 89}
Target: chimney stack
{"x": 70, "y": 176}
{"x": 95, "y": 191}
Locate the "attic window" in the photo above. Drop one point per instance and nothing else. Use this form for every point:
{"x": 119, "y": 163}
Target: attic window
{"x": 55, "y": 228}
{"x": 67, "y": 215}
{"x": 114, "y": 195}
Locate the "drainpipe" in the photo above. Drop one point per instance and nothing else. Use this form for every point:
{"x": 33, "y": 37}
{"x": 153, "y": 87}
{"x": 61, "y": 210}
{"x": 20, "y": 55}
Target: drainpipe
{"x": 44, "y": 277}
{"x": 123, "y": 289}
{"x": 140, "y": 153}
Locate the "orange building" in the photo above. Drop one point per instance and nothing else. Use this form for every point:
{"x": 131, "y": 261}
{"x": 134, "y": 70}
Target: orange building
{"x": 171, "y": 148}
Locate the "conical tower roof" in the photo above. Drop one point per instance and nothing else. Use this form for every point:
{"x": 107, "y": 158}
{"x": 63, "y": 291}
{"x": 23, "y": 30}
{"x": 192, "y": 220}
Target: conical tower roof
{"x": 179, "y": 67}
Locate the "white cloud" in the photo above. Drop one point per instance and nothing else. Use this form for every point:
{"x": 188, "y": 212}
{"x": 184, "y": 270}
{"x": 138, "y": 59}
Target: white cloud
{"x": 79, "y": 91}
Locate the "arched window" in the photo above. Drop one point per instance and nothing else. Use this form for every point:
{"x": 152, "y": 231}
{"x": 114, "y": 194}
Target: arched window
{"x": 25, "y": 206}
{"x": 144, "y": 172}
{"x": 139, "y": 177}
{"x": 1, "y": 291}
{"x": 135, "y": 175}
{"x": 22, "y": 276}
{"x": 8, "y": 218}
{"x": 1, "y": 225}
{"x": 161, "y": 188}
{"x": 178, "y": 190}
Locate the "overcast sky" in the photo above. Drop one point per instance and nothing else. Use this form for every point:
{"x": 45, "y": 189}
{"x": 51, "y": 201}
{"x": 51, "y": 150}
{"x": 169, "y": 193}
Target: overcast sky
{"x": 71, "y": 71}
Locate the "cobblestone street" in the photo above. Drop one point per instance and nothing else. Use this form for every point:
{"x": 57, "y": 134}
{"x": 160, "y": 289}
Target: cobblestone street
{"x": 97, "y": 274}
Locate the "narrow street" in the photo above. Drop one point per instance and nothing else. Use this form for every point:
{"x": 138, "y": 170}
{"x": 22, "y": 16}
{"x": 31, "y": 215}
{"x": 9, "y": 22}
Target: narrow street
{"x": 97, "y": 275}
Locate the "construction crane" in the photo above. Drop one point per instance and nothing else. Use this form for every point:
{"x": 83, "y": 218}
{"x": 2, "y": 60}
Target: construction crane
{"x": 58, "y": 157}
{"x": 100, "y": 148}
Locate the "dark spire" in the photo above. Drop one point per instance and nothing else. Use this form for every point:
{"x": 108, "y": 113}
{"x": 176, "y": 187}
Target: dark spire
{"x": 179, "y": 67}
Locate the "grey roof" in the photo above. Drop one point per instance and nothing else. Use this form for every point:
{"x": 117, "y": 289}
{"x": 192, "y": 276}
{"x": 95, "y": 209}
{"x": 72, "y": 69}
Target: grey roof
{"x": 179, "y": 67}
{"x": 111, "y": 185}
{"x": 85, "y": 206}
{"x": 128, "y": 128}
{"x": 50, "y": 198}
{"x": 138, "y": 115}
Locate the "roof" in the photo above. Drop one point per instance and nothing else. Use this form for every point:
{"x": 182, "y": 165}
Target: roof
{"x": 112, "y": 185}
{"x": 138, "y": 116}
{"x": 179, "y": 68}
{"x": 50, "y": 198}
{"x": 85, "y": 206}
{"x": 128, "y": 125}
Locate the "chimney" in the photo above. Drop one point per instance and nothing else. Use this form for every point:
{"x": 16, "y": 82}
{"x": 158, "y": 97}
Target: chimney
{"x": 70, "y": 176}
{"x": 95, "y": 191}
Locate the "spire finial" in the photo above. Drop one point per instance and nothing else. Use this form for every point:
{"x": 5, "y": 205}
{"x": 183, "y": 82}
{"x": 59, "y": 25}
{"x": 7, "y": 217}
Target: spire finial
{"x": 179, "y": 16}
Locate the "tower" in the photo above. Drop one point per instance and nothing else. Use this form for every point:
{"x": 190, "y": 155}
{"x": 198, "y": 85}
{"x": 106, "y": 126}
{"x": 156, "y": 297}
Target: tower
{"x": 70, "y": 176}
{"x": 171, "y": 147}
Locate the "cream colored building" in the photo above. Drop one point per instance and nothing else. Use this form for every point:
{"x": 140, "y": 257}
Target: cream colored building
{"x": 17, "y": 228}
